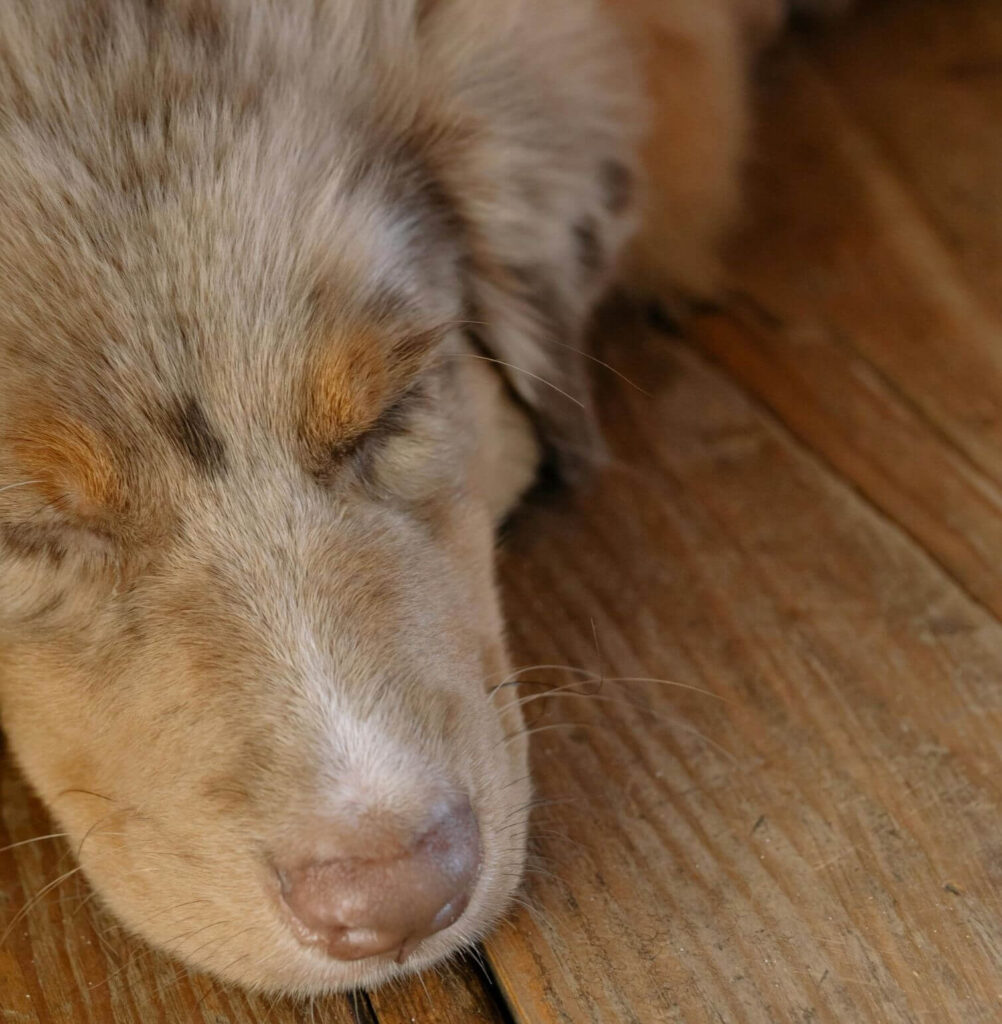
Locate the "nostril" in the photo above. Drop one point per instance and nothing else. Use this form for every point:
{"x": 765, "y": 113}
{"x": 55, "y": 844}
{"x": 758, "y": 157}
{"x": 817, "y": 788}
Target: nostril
{"x": 387, "y": 898}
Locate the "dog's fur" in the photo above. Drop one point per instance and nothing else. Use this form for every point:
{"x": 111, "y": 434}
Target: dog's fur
{"x": 291, "y": 298}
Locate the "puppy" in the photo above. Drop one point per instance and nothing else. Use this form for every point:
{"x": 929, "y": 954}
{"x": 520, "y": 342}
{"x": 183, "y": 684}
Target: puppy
{"x": 292, "y": 298}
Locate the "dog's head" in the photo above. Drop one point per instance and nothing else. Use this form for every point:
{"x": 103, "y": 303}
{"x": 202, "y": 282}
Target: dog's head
{"x": 249, "y": 621}
{"x": 251, "y": 466}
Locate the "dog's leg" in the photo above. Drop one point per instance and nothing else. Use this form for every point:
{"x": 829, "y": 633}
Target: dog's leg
{"x": 695, "y": 56}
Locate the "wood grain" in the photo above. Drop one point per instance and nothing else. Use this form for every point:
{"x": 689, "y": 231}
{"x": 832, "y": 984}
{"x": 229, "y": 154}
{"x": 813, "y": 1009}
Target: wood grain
{"x": 830, "y": 292}
{"x": 830, "y": 850}
{"x": 799, "y": 527}
{"x": 459, "y": 991}
{"x": 876, "y": 209}
{"x": 865, "y": 774}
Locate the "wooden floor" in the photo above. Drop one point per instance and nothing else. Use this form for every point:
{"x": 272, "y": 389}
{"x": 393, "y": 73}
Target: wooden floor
{"x": 805, "y": 522}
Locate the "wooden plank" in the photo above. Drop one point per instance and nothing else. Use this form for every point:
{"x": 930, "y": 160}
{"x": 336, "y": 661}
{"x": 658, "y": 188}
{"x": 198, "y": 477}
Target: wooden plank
{"x": 846, "y": 410}
{"x": 455, "y": 993}
{"x": 842, "y": 246}
{"x": 924, "y": 79}
{"x": 840, "y": 329}
{"x": 823, "y": 844}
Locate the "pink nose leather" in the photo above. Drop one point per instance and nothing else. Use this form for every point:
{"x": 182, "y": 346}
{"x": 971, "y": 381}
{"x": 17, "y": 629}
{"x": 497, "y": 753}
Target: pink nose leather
{"x": 387, "y": 896}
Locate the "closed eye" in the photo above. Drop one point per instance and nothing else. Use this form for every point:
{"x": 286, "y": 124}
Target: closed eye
{"x": 394, "y": 419}
{"x": 361, "y": 448}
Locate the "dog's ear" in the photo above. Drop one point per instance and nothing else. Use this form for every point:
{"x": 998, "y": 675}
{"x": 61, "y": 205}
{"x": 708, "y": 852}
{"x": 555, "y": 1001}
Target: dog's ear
{"x": 520, "y": 323}
{"x": 536, "y": 153}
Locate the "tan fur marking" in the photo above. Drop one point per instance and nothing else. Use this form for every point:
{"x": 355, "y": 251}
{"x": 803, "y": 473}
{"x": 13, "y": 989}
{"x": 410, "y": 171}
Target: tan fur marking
{"x": 72, "y": 466}
{"x": 352, "y": 379}
{"x": 345, "y": 387}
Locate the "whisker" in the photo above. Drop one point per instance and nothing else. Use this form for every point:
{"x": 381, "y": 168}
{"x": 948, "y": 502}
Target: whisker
{"x": 723, "y": 751}
{"x": 113, "y": 952}
{"x": 529, "y": 806}
{"x": 425, "y": 987}
{"x": 604, "y": 698}
{"x": 512, "y": 678}
{"x": 551, "y": 835}
{"x": 478, "y": 956}
{"x": 90, "y": 831}
{"x": 670, "y": 722}
{"x": 209, "y": 942}
{"x": 85, "y": 792}
{"x": 525, "y": 905}
{"x": 173, "y": 907}
{"x": 210, "y": 987}
{"x": 20, "y": 483}
{"x": 536, "y": 871}
{"x": 528, "y": 373}
{"x": 602, "y": 363}
{"x": 37, "y": 839}
{"x": 514, "y": 782}
{"x": 669, "y": 682}
{"x": 83, "y": 903}
{"x": 594, "y": 677}
{"x": 143, "y": 953}
{"x": 534, "y": 805}
{"x": 26, "y": 909}
{"x": 555, "y": 691}
{"x": 547, "y": 728}
{"x": 514, "y": 673}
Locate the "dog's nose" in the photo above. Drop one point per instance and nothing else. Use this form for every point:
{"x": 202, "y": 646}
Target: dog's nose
{"x": 368, "y": 892}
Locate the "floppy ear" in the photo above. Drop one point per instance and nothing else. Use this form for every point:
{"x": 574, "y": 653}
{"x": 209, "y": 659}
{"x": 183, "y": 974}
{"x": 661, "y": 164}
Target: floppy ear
{"x": 536, "y": 154}
{"x": 520, "y": 325}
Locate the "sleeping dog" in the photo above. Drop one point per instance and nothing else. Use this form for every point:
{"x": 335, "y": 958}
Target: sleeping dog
{"x": 292, "y": 303}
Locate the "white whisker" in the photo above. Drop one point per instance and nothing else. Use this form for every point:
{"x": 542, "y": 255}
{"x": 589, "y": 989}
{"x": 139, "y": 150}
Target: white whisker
{"x": 528, "y": 373}
{"x": 20, "y": 483}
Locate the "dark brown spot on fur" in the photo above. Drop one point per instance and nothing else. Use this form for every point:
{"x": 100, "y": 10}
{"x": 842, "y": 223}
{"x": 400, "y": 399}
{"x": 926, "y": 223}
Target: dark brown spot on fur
{"x": 27, "y": 542}
{"x": 202, "y": 21}
{"x": 189, "y": 429}
{"x": 434, "y": 202}
{"x": 616, "y": 181}
{"x": 590, "y": 251}
{"x": 96, "y": 34}
{"x": 424, "y": 9}
{"x": 538, "y": 291}
{"x": 402, "y": 169}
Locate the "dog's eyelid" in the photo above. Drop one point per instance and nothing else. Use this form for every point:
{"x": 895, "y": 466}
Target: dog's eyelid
{"x": 414, "y": 348}
{"x": 392, "y": 421}
{"x": 394, "y": 417}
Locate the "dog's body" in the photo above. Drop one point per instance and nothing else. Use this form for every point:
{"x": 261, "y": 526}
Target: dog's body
{"x": 291, "y": 298}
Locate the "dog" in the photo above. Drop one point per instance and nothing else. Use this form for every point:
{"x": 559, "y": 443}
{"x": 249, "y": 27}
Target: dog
{"x": 293, "y": 298}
